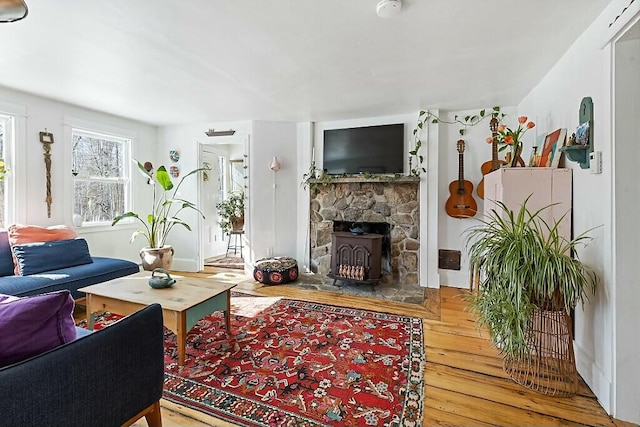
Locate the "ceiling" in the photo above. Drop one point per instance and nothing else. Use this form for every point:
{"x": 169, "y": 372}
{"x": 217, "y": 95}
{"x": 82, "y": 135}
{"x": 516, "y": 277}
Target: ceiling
{"x": 167, "y": 62}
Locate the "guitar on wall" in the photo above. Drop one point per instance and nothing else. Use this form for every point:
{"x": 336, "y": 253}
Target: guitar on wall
{"x": 494, "y": 163}
{"x": 460, "y": 203}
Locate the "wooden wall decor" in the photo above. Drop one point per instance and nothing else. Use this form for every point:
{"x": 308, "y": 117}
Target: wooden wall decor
{"x": 46, "y": 138}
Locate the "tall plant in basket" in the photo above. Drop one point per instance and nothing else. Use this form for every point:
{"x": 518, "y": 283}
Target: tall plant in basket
{"x": 530, "y": 281}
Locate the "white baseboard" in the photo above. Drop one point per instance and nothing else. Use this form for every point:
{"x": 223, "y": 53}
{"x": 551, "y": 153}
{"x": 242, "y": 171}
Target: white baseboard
{"x": 594, "y": 377}
{"x": 185, "y": 264}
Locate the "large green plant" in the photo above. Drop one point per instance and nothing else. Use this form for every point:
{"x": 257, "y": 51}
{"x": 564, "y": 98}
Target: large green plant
{"x": 165, "y": 209}
{"x": 229, "y": 209}
{"x": 523, "y": 263}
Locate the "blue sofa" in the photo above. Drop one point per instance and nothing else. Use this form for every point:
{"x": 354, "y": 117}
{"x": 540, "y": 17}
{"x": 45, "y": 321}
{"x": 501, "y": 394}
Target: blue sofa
{"x": 70, "y": 278}
{"x": 110, "y": 377}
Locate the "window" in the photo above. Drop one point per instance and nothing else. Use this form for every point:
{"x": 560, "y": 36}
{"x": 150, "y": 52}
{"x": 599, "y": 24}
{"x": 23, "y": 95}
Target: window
{"x": 100, "y": 176}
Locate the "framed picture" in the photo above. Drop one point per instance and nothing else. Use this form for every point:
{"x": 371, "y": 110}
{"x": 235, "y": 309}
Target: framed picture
{"x": 557, "y": 154}
{"x": 46, "y": 137}
{"x": 551, "y": 148}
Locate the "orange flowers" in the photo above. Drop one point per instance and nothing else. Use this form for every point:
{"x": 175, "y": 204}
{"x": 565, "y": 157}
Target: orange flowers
{"x": 513, "y": 138}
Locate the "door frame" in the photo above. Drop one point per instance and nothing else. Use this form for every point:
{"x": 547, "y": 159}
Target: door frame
{"x": 240, "y": 139}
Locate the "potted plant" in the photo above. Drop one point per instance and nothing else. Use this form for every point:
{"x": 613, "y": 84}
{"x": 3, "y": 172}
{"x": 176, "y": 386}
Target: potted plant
{"x": 231, "y": 212}
{"x": 164, "y": 215}
{"x": 530, "y": 280}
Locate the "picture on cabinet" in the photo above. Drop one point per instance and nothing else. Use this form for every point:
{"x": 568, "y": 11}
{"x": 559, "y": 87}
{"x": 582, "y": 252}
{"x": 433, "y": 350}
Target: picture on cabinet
{"x": 550, "y": 154}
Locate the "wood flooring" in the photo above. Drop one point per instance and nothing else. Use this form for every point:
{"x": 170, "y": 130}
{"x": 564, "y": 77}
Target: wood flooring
{"x": 465, "y": 383}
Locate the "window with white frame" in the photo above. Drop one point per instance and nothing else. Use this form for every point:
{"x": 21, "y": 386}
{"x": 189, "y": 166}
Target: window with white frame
{"x": 101, "y": 181}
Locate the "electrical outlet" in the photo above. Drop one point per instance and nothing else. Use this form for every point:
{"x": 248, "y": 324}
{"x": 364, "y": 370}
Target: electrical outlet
{"x": 269, "y": 251}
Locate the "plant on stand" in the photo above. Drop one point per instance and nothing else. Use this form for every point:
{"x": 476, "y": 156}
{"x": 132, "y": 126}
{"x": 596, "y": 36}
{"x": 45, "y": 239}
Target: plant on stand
{"x": 164, "y": 215}
{"x": 231, "y": 212}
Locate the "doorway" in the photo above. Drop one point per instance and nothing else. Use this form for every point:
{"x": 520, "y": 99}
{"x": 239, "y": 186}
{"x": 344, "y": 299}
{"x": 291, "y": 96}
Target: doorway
{"x": 227, "y": 175}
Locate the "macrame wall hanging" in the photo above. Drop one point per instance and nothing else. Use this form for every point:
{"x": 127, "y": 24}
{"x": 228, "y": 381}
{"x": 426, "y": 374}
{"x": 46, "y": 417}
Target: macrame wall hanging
{"x": 46, "y": 138}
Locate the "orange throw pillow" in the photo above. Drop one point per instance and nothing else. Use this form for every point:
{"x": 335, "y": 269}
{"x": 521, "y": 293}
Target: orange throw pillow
{"x": 20, "y": 234}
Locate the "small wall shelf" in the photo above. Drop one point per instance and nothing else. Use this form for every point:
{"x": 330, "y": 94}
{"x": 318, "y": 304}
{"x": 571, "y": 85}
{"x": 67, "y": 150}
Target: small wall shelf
{"x": 580, "y": 153}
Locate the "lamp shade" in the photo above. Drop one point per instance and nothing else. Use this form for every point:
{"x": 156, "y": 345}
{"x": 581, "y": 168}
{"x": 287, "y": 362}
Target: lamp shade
{"x": 275, "y": 164}
{"x": 12, "y": 10}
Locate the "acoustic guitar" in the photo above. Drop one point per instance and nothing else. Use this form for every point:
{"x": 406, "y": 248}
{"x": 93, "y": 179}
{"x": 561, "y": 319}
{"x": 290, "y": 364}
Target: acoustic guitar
{"x": 494, "y": 163}
{"x": 460, "y": 203}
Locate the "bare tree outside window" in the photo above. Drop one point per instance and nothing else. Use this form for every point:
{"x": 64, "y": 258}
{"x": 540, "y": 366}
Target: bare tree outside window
{"x": 100, "y": 176}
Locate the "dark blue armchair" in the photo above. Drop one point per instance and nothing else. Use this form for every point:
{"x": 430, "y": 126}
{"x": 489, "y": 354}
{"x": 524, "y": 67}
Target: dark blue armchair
{"x": 110, "y": 377}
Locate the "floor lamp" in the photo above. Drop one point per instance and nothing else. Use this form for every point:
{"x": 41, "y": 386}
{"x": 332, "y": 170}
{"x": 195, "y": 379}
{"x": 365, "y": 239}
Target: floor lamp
{"x": 275, "y": 167}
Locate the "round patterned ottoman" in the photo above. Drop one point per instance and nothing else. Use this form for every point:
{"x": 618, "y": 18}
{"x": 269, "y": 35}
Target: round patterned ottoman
{"x": 275, "y": 270}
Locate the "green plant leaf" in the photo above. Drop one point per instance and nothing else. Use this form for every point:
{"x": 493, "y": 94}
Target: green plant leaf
{"x": 434, "y": 121}
{"x": 142, "y": 170}
{"x": 123, "y": 216}
{"x": 482, "y": 112}
{"x": 164, "y": 179}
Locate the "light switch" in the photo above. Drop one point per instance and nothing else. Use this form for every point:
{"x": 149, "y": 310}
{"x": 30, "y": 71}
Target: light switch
{"x": 595, "y": 162}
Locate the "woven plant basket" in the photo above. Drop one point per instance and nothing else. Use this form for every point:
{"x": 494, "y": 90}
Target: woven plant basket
{"x": 549, "y": 365}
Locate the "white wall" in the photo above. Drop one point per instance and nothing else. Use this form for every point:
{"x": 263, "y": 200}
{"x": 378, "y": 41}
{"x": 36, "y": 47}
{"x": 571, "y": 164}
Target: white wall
{"x": 273, "y": 194}
{"x": 585, "y": 71}
{"x": 30, "y": 175}
{"x": 477, "y": 151}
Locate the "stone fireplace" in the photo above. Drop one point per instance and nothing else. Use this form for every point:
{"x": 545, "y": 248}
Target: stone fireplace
{"x": 389, "y": 207}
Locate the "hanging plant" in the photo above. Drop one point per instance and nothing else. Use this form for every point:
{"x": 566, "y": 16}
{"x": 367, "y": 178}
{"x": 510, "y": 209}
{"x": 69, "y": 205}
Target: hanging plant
{"x": 424, "y": 117}
{"x": 315, "y": 177}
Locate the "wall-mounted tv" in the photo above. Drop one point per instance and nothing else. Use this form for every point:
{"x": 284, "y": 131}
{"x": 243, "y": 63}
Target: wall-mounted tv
{"x": 372, "y": 149}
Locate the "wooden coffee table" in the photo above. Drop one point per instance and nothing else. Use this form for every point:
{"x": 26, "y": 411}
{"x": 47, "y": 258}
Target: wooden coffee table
{"x": 183, "y": 304}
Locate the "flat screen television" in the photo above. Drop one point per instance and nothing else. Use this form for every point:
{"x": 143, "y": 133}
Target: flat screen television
{"x": 372, "y": 149}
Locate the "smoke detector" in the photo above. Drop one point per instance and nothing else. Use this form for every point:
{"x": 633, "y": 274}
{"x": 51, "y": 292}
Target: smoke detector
{"x": 388, "y": 8}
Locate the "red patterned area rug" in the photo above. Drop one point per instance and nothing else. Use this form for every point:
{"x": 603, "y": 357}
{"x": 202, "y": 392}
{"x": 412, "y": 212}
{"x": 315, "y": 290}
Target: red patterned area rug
{"x": 295, "y": 363}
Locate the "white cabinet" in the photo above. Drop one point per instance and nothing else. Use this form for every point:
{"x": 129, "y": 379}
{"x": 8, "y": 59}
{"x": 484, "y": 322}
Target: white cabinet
{"x": 546, "y": 186}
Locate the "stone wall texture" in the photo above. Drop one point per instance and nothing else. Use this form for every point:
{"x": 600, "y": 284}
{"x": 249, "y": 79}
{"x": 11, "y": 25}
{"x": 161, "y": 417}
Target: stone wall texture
{"x": 395, "y": 203}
